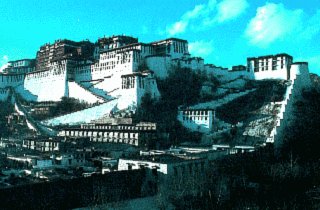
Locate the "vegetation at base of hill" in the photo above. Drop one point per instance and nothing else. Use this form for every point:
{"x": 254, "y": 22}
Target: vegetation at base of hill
{"x": 315, "y": 79}
{"x": 181, "y": 87}
{"x": 68, "y": 105}
{"x": 6, "y": 109}
{"x": 65, "y": 106}
{"x": 265, "y": 180}
{"x": 302, "y": 137}
{"x": 240, "y": 109}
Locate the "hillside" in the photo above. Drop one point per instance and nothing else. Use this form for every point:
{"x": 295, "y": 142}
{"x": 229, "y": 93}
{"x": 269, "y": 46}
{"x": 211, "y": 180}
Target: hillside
{"x": 315, "y": 79}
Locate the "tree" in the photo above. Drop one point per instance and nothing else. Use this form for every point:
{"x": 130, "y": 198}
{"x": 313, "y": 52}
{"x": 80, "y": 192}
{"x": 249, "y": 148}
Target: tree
{"x": 68, "y": 105}
{"x": 301, "y": 138}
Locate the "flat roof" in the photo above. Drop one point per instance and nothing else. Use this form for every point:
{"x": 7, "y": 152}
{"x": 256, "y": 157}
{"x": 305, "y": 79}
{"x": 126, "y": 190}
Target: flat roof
{"x": 163, "y": 158}
{"x": 124, "y": 47}
{"x": 168, "y": 39}
{"x": 270, "y": 56}
{"x": 143, "y": 74}
{"x": 25, "y": 59}
{"x": 300, "y": 62}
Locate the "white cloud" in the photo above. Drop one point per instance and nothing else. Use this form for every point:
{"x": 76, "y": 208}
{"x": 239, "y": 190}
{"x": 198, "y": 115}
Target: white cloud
{"x": 5, "y": 58}
{"x": 312, "y": 27}
{"x": 4, "y": 62}
{"x": 178, "y": 27}
{"x": 273, "y": 22}
{"x": 204, "y": 15}
{"x": 181, "y": 25}
{"x": 201, "y": 48}
{"x": 230, "y": 9}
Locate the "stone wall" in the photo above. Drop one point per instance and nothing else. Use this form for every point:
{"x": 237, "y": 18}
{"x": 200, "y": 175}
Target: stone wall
{"x": 76, "y": 192}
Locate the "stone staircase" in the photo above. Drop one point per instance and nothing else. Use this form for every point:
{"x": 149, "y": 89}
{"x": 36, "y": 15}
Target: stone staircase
{"x": 31, "y": 123}
{"x": 297, "y": 83}
{"x": 80, "y": 92}
{"x": 90, "y": 86}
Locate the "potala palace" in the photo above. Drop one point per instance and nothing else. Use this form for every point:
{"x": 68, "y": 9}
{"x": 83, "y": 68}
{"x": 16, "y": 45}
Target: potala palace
{"x": 135, "y": 133}
{"x": 114, "y": 73}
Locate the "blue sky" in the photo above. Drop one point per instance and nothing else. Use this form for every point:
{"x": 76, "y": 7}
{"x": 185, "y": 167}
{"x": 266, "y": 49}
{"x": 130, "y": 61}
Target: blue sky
{"x": 224, "y": 32}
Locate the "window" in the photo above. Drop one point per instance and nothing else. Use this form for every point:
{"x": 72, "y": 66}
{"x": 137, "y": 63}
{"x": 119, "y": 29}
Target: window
{"x": 267, "y": 64}
{"x": 282, "y": 62}
{"x": 274, "y": 64}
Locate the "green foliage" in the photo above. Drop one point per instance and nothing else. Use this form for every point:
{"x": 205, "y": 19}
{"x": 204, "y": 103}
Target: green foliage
{"x": 6, "y": 109}
{"x": 302, "y": 136}
{"x": 181, "y": 87}
{"x": 68, "y": 105}
{"x": 242, "y": 108}
{"x": 261, "y": 179}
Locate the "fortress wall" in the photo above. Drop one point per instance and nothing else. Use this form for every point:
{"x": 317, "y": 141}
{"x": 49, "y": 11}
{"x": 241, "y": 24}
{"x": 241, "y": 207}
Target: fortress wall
{"x": 129, "y": 98}
{"x": 48, "y": 85}
{"x": 4, "y": 94}
{"x": 272, "y": 74}
{"x": 11, "y": 80}
{"x": 299, "y": 75}
{"x": 25, "y": 94}
{"x": 193, "y": 63}
{"x": 132, "y": 97}
{"x": 83, "y": 73}
{"x": 197, "y": 120}
{"x": 151, "y": 87}
{"x": 160, "y": 65}
{"x": 108, "y": 69}
{"x": 224, "y": 75}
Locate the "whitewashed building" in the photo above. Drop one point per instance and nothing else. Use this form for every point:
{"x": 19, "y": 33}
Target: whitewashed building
{"x": 178, "y": 174}
{"x": 200, "y": 120}
{"x": 270, "y": 67}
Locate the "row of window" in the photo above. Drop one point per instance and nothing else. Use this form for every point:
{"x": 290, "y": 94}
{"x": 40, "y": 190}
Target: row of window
{"x": 194, "y": 118}
{"x": 263, "y": 65}
{"x": 117, "y": 140}
{"x": 12, "y": 78}
{"x": 128, "y": 82}
{"x": 117, "y": 127}
{"x": 203, "y": 112}
{"x": 179, "y": 47}
{"x": 102, "y": 134}
{"x": 37, "y": 76}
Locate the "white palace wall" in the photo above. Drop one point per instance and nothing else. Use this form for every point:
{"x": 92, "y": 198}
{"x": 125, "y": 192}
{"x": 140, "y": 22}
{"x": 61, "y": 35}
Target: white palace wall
{"x": 48, "y": 85}
{"x": 197, "y": 120}
{"x": 270, "y": 67}
{"x": 133, "y": 91}
{"x": 108, "y": 70}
